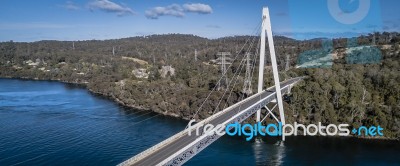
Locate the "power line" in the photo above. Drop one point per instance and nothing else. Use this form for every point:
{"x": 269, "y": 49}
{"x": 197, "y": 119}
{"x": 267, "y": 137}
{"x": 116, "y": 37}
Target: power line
{"x": 218, "y": 82}
{"x": 248, "y": 50}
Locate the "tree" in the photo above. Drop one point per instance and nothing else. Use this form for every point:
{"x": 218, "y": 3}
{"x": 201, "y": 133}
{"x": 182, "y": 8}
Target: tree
{"x": 7, "y": 53}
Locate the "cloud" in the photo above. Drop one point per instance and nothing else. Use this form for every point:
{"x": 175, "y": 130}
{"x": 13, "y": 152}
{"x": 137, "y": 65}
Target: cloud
{"x": 213, "y": 26}
{"x": 198, "y": 8}
{"x": 177, "y": 10}
{"x": 69, "y": 5}
{"x": 171, "y": 10}
{"x": 111, "y": 7}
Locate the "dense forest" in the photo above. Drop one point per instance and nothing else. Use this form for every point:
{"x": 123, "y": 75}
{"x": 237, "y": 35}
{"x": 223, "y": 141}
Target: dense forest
{"x": 354, "y": 81}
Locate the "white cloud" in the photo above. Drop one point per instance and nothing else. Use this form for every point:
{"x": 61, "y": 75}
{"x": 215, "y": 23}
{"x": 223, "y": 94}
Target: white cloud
{"x": 69, "y": 5}
{"x": 108, "y": 6}
{"x": 198, "y": 8}
{"x": 178, "y": 10}
{"x": 171, "y": 10}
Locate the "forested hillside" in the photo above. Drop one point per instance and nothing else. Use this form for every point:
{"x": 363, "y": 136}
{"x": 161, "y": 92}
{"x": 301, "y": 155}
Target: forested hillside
{"x": 357, "y": 85}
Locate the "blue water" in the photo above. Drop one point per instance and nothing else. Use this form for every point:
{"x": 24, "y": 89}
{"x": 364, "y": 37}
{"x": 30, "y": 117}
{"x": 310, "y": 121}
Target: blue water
{"x": 51, "y": 123}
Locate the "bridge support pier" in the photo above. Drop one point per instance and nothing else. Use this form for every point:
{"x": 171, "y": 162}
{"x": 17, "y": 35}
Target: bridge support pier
{"x": 266, "y": 27}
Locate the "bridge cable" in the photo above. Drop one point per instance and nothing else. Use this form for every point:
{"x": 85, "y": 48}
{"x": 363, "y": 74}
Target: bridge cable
{"x": 254, "y": 61}
{"x": 230, "y": 93}
{"x": 219, "y": 81}
{"x": 241, "y": 66}
{"x": 253, "y": 68}
{"x": 129, "y": 125}
{"x": 229, "y": 84}
{"x": 234, "y": 79}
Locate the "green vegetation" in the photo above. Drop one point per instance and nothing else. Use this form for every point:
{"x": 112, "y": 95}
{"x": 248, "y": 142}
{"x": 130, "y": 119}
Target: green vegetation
{"x": 364, "y": 55}
{"x": 358, "y": 89}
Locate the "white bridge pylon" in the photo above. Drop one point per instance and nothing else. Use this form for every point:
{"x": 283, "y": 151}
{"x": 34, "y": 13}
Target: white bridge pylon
{"x": 182, "y": 146}
{"x": 266, "y": 27}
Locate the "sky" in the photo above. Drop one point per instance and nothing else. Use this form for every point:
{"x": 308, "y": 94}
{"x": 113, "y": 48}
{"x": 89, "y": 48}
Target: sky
{"x": 28, "y": 20}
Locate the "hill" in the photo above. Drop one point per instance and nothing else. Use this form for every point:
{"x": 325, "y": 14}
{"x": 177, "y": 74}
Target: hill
{"x": 160, "y": 73}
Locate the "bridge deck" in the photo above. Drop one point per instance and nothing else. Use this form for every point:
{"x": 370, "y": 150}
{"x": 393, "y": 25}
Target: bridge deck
{"x": 171, "y": 148}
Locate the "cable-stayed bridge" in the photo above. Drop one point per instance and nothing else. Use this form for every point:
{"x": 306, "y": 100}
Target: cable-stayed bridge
{"x": 181, "y": 147}
{"x": 184, "y": 145}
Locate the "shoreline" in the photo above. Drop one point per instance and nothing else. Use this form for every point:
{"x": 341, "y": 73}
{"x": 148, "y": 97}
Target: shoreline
{"x": 106, "y": 96}
{"x": 140, "y": 108}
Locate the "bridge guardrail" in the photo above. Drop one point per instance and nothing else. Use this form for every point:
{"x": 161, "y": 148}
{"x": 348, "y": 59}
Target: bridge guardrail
{"x": 143, "y": 154}
{"x": 166, "y": 142}
{"x": 185, "y": 157}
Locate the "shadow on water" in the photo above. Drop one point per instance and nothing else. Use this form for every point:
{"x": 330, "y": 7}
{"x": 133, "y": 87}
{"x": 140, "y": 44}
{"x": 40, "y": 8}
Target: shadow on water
{"x": 268, "y": 151}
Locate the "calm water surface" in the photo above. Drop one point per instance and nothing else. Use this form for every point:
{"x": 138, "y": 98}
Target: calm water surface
{"x": 51, "y": 123}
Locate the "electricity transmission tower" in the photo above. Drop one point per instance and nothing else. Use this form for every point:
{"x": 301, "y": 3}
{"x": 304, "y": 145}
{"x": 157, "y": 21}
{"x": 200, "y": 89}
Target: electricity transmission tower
{"x": 113, "y": 51}
{"x": 195, "y": 55}
{"x": 223, "y": 60}
{"x": 287, "y": 62}
{"x": 247, "y": 78}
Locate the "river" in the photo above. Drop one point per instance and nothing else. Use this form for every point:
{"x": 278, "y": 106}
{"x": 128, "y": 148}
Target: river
{"x": 52, "y": 123}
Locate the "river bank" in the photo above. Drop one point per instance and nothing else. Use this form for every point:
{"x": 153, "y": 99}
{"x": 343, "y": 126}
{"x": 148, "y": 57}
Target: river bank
{"x": 142, "y": 108}
{"x": 110, "y": 97}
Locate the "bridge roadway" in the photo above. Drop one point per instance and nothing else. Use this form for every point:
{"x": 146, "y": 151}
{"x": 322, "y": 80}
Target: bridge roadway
{"x": 156, "y": 157}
